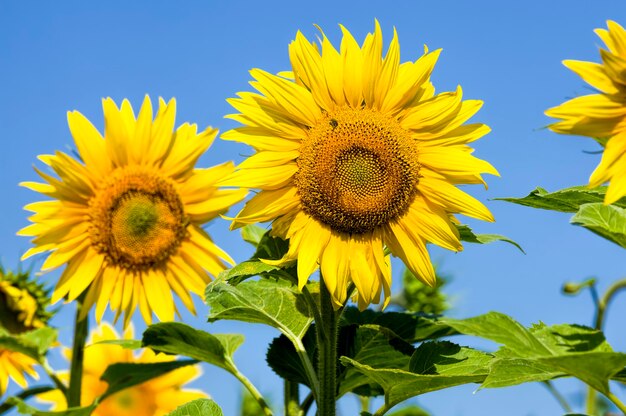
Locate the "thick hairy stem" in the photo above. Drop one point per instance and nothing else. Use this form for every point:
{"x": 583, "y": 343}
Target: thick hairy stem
{"x": 81, "y": 329}
{"x": 327, "y": 348}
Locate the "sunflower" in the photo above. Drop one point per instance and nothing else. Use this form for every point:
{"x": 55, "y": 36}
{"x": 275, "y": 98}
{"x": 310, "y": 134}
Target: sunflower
{"x": 126, "y": 219}
{"x": 155, "y": 397}
{"x": 603, "y": 115}
{"x": 355, "y": 152}
{"x": 22, "y": 309}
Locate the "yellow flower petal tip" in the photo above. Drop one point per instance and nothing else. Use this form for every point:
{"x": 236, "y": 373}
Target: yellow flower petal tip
{"x": 126, "y": 218}
{"x": 602, "y": 115}
{"x": 355, "y": 153}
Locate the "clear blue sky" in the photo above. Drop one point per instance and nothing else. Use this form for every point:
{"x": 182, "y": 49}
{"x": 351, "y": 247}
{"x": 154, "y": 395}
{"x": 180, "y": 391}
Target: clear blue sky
{"x": 66, "y": 55}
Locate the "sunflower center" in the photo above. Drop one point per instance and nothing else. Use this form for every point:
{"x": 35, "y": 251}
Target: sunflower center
{"x": 358, "y": 169}
{"x": 137, "y": 219}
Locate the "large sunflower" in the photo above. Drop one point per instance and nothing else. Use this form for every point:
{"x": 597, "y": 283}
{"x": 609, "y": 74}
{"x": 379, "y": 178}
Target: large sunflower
{"x": 356, "y": 152}
{"x": 155, "y": 397}
{"x": 22, "y": 309}
{"x": 602, "y": 115}
{"x": 127, "y": 220}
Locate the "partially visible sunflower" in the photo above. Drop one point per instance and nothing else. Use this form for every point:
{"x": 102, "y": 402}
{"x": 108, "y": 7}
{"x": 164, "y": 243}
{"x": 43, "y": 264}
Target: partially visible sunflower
{"x": 355, "y": 152}
{"x": 155, "y": 397}
{"x": 602, "y": 115}
{"x": 23, "y": 305}
{"x": 126, "y": 219}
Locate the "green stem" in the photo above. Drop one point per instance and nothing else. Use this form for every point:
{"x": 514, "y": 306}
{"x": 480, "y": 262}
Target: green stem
{"x": 601, "y": 312}
{"x": 81, "y": 328}
{"x": 33, "y": 391}
{"x": 327, "y": 350}
{"x": 292, "y": 398}
{"x": 57, "y": 382}
{"x": 250, "y": 387}
{"x": 365, "y": 403}
{"x": 617, "y": 402}
{"x": 306, "y": 404}
{"x": 606, "y": 299}
{"x": 558, "y": 396}
{"x": 382, "y": 410}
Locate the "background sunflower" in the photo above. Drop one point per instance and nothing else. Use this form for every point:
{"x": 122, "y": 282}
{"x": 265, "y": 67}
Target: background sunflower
{"x": 126, "y": 219}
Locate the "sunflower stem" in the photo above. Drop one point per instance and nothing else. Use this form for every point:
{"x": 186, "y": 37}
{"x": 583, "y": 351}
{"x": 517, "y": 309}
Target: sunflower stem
{"x": 558, "y": 396}
{"x": 306, "y": 404}
{"x": 254, "y": 392}
{"x": 326, "y": 332}
{"x": 52, "y": 374}
{"x": 81, "y": 328}
{"x": 292, "y": 398}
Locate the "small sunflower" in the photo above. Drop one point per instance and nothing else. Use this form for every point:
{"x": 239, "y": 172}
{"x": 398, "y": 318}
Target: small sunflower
{"x": 155, "y": 397}
{"x": 355, "y": 152}
{"x": 23, "y": 305}
{"x": 603, "y": 115}
{"x": 126, "y": 219}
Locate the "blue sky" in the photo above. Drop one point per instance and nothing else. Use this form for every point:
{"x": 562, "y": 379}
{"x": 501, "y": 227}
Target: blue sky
{"x": 60, "y": 56}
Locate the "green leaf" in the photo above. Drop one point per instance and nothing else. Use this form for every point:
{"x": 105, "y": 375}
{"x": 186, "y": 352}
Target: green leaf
{"x": 449, "y": 365}
{"x": 500, "y": 328}
{"x": 512, "y": 371}
{"x": 411, "y": 327}
{"x": 34, "y": 344}
{"x": 607, "y": 221}
{"x": 467, "y": 235}
{"x": 410, "y": 411}
{"x": 275, "y": 303}
{"x": 543, "y": 352}
{"x": 268, "y": 247}
{"x": 284, "y": 360}
{"x": 127, "y": 344}
{"x": 372, "y": 345}
{"x": 123, "y": 375}
{"x": 198, "y": 407}
{"x": 180, "y": 339}
{"x": 564, "y": 200}
{"x": 25, "y": 394}
{"x": 26, "y": 409}
{"x": 252, "y": 234}
{"x": 247, "y": 269}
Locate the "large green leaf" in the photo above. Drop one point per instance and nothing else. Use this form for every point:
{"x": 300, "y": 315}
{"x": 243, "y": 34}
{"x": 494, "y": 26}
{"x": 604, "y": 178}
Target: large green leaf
{"x": 543, "y": 352}
{"x": 268, "y": 247}
{"x": 411, "y": 327}
{"x": 564, "y": 200}
{"x": 284, "y": 360}
{"x": 275, "y": 303}
{"x": 446, "y": 365}
{"x": 500, "y": 328}
{"x": 34, "y": 344}
{"x": 180, "y": 339}
{"x": 123, "y": 375}
{"x": 198, "y": 407}
{"x": 371, "y": 345}
{"x": 467, "y": 235}
{"x": 607, "y": 221}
